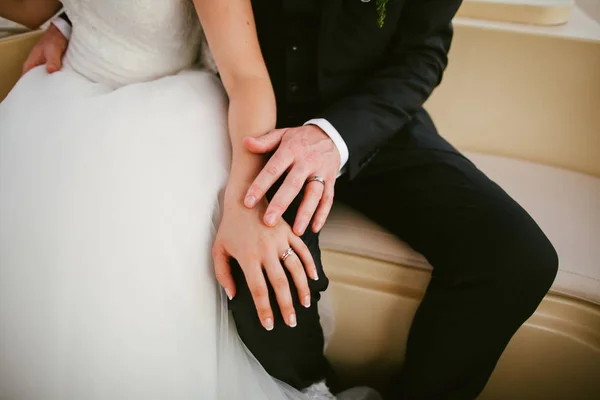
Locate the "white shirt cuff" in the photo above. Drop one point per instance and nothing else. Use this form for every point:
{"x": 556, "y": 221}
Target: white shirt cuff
{"x": 63, "y": 26}
{"x": 335, "y": 137}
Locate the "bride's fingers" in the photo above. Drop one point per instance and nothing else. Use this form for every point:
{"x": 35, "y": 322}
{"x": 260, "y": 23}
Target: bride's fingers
{"x": 280, "y": 284}
{"x": 294, "y": 266}
{"x": 223, "y": 271}
{"x": 260, "y": 293}
{"x": 53, "y": 58}
{"x": 312, "y": 196}
{"x": 55, "y": 45}
{"x": 305, "y": 256}
{"x": 34, "y": 59}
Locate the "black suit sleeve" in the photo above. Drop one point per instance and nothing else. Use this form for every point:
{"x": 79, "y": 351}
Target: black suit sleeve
{"x": 386, "y": 99}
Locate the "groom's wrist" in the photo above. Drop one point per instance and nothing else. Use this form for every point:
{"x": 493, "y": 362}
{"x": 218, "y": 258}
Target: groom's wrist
{"x": 335, "y": 136}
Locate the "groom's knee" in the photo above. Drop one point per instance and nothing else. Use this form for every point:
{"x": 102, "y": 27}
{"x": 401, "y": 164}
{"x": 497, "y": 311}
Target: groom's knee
{"x": 293, "y": 355}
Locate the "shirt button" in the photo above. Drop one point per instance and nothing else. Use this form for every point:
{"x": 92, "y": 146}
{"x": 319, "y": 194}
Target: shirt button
{"x": 294, "y": 48}
{"x": 293, "y": 87}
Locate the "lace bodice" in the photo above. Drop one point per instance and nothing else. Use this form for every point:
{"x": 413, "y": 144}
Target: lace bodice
{"x": 118, "y": 42}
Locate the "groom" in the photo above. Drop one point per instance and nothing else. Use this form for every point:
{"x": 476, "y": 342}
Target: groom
{"x": 350, "y": 78}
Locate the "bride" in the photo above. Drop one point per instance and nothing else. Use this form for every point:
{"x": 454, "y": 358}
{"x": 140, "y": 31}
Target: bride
{"x": 114, "y": 173}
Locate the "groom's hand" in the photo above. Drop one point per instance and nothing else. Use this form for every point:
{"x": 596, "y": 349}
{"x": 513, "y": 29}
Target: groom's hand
{"x": 304, "y": 152}
{"x": 49, "y": 50}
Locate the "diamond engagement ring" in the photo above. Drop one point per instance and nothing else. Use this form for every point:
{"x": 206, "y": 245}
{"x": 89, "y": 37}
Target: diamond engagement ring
{"x": 287, "y": 253}
{"x": 316, "y": 178}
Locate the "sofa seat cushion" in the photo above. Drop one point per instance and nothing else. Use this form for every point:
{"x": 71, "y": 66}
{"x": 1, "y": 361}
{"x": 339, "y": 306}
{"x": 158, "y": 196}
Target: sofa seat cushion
{"x": 565, "y": 204}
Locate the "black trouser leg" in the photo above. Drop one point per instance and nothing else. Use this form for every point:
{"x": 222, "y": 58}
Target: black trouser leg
{"x": 492, "y": 264}
{"x": 292, "y": 355}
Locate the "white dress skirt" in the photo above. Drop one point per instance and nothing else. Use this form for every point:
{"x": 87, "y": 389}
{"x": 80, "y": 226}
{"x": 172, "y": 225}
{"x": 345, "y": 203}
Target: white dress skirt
{"x": 111, "y": 172}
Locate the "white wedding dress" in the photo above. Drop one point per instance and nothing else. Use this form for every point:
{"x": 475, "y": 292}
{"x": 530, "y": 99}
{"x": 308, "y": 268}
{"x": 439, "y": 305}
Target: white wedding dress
{"x": 110, "y": 176}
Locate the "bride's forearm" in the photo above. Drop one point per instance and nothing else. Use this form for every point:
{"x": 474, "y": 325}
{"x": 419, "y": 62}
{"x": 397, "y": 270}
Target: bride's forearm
{"x": 232, "y": 38}
{"x": 31, "y": 13}
{"x": 252, "y": 113}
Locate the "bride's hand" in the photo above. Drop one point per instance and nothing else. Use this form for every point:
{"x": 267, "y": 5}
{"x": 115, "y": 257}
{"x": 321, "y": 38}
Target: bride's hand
{"x": 48, "y": 50}
{"x": 257, "y": 248}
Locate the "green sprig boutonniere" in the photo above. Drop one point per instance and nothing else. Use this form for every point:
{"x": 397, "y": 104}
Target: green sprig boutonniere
{"x": 381, "y": 8}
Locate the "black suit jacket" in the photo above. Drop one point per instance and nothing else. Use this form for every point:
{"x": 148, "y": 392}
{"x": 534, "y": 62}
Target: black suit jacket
{"x": 374, "y": 80}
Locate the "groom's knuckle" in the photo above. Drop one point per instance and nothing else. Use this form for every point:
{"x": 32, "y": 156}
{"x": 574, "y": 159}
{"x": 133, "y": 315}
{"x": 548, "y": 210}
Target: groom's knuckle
{"x": 297, "y": 181}
{"x": 304, "y": 142}
{"x": 277, "y": 206}
{"x": 303, "y": 168}
{"x": 306, "y": 214}
{"x": 272, "y": 169}
{"x": 296, "y": 146}
{"x": 254, "y": 190}
{"x": 312, "y": 157}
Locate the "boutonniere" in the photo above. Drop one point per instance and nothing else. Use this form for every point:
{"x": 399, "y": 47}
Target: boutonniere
{"x": 381, "y": 8}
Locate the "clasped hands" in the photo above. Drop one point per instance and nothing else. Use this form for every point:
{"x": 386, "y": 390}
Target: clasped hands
{"x": 253, "y": 231}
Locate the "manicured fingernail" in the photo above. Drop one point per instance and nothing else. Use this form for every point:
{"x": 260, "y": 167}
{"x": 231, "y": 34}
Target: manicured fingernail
{"x": 229, "y": 296}
{"x": 293, "y": 320}
{"x": 306, "y": 302}
{"x": 269, "y": 324}
{"x": 249, "y": 201}
{"x": 270, "y": 219}
{"x": 315, "y": 276}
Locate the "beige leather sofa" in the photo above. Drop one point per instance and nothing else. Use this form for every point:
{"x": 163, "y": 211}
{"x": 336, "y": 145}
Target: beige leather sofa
{"x": 378, "y": 281}
{"x": 536, "y": 12}
{"x": 526, "y": 109}
{"x": 13, "y": 51}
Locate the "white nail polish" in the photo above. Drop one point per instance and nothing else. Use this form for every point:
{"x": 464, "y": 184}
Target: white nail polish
{"x": 306, "y": 302}
{"x": 269, "y": 324}
{"x": 293, "y": 322}
{"x": 229, "y": 296}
